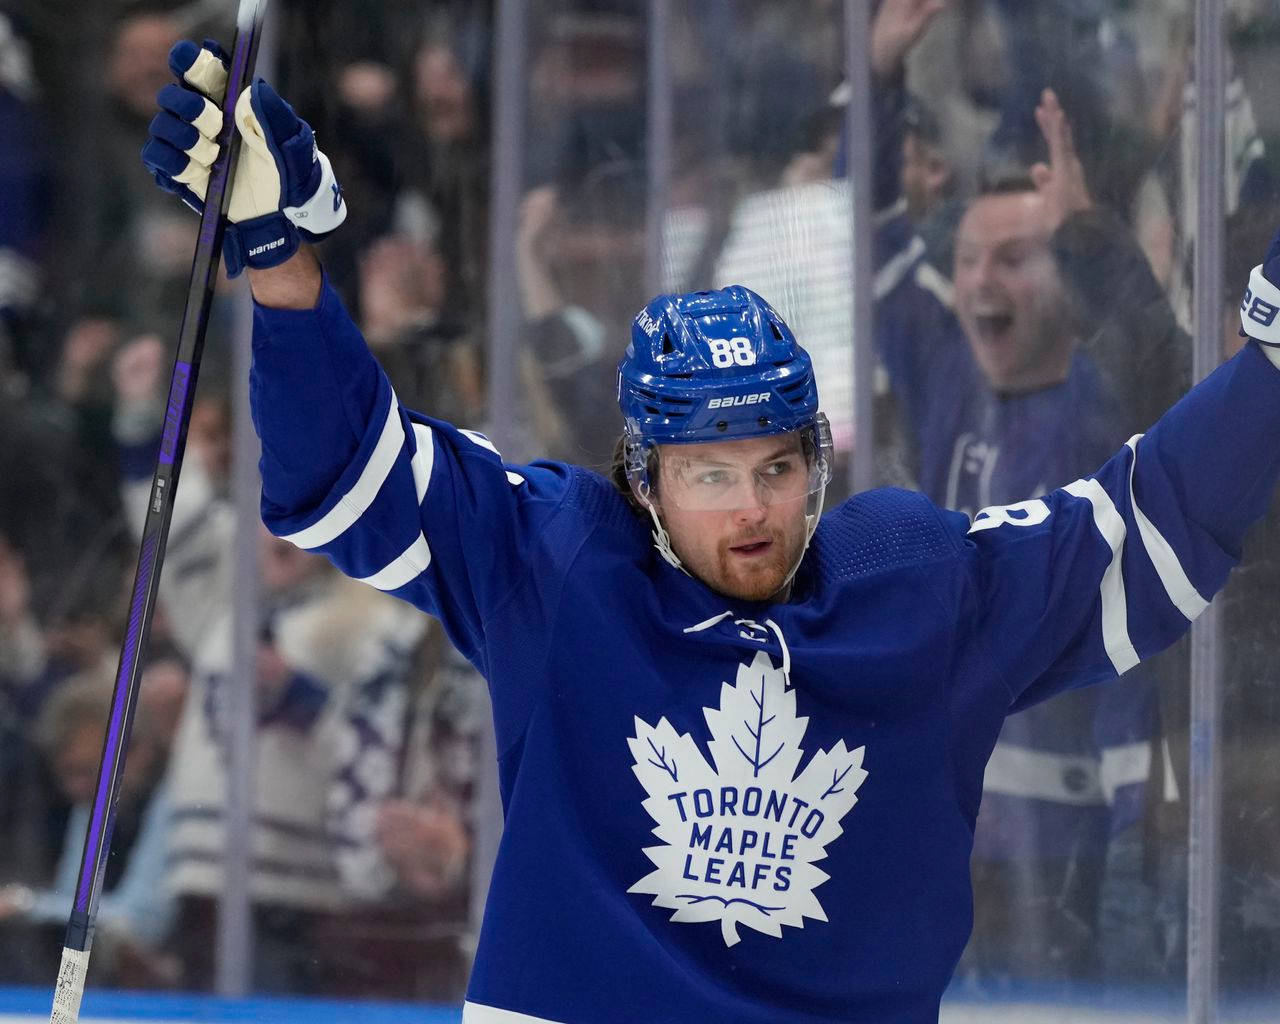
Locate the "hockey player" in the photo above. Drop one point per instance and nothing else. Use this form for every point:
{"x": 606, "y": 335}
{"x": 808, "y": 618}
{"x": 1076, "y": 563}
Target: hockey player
{"x": 741, "y": 750}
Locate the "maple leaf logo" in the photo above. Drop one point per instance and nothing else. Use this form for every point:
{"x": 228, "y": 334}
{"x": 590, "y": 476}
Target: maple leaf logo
{"x": 739, "y": 840}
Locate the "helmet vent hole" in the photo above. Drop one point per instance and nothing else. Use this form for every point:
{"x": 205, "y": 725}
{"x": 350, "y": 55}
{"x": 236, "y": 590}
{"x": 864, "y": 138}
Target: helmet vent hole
{"x": 652, "y": 411}
{"x": 777, "y": 334}
{"x": 667, "y": 347}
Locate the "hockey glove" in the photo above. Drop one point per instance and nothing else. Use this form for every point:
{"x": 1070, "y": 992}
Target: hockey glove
{"x": 284, "y": 190}
{"x": 1260, "y": 308}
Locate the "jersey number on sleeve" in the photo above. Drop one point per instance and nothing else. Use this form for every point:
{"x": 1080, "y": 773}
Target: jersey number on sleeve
{"x": 1022, "y": 513}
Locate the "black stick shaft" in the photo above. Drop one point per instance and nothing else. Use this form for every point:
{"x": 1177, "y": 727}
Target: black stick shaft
{"x": 195, "y": 320}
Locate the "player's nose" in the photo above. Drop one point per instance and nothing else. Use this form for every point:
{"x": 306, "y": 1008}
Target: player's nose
{"x": 751, "y": 513}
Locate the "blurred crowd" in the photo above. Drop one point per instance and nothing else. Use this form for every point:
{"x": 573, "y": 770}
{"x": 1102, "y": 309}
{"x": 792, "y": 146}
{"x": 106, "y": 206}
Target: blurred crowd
{"x": 1034, "y": 181}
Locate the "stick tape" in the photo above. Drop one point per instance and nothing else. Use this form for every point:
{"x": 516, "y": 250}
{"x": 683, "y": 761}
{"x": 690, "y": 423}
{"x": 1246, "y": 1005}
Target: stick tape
{"x": 70, "y": 987}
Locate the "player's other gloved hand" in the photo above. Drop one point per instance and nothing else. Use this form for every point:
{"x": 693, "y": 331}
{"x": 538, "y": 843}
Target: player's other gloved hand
{"x": 1260, "y": 308}
{"x": 284, "y": 190}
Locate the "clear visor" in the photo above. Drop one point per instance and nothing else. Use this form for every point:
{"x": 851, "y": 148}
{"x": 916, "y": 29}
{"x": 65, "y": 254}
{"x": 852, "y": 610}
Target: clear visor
{"x": 772, "y": 472}
{"x": 705, "y": 483}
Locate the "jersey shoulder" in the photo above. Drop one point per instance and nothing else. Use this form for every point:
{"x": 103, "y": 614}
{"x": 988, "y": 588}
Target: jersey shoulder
{"x": 879, "y": 531}
{"x": 592, "y": 500}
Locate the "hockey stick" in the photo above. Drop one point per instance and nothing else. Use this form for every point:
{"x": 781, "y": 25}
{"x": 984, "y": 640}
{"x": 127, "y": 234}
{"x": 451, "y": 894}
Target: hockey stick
{"x": 155, "y": 532}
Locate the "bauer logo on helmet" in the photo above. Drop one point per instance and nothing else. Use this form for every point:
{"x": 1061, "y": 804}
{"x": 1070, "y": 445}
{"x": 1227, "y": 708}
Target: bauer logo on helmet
{"x": 736, "y": 400}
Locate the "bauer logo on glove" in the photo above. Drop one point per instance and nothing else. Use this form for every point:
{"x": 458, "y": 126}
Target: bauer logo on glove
{"x": 282, "y": 179}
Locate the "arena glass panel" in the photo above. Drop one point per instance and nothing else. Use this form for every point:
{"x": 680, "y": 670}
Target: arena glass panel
{"x": 1080, "y": 850}
{"x": 357, "y": 752}
{"x": 753, "y": 194}
{"x": 1248, "y": 929}
{"x": 579, "y": 231}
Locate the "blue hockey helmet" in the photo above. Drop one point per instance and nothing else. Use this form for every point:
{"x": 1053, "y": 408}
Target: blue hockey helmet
{"x": 713, "y": 366}
{"x": 718, "y": 366}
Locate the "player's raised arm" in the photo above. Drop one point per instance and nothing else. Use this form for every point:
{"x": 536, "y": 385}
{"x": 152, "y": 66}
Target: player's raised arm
{"x": 1083, "y": 583}
{"x": 285, "y": 195}
{"x": 405, "y": 503}
{"x": 294, "y": 284}
{"x": 285, "y": 191}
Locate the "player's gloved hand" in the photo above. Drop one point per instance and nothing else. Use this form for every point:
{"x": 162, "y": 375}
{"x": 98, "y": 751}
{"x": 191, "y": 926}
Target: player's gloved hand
{"x": 1260, "y": 308}
{"x": 284, "y": 190}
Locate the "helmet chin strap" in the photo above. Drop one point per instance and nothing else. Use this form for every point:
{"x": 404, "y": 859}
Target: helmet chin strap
{"x": 662, "y": 539}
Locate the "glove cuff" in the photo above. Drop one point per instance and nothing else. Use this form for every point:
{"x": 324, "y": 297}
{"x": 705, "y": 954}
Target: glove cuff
{"x": 260, "y": 243}
{"x": 1259, "y": 309}
{"x": 325, "y": 210}
{"x": 270, "y": 240}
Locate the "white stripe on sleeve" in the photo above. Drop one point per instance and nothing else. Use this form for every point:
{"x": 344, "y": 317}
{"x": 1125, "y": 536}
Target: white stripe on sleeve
{"x": 892, "y": 273}
{"x": 1176, "y": 584}
{"x": 352, "y": 505}
{"x": 514, "y": 479}
{"x": 1115, "y": 615}
{"x": 475, "y": 437}
{"x": 404, "y": 568}
{"x": 1124, "y": 766}
{"x": 932, "y": 280}
{"x": 478, "y": 1013}
{"x": 1041, "y": 775}
{"x": 423, "y": 459}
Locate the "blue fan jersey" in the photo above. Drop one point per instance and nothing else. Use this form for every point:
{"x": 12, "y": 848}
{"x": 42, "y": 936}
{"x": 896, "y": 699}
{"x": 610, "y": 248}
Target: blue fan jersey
{"x": 721, "y": 811}
{"x": 1064, "y": 774}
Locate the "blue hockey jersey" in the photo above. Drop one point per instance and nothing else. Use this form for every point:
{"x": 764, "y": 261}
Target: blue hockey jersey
{"x": 721, "y": 811}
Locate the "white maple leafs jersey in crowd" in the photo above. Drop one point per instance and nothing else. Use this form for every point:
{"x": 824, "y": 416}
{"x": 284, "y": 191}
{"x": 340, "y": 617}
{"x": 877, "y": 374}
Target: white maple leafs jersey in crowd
{"x": 720, "y": 811}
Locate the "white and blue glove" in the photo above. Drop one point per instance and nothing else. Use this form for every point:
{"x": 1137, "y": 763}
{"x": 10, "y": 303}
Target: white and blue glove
{"x": 284, "y": 190}
{"x": 1260, "y": 307}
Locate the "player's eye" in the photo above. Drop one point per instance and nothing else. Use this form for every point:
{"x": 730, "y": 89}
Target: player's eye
{"x": 714, "y": 478}
{"x": 779, "y": 468}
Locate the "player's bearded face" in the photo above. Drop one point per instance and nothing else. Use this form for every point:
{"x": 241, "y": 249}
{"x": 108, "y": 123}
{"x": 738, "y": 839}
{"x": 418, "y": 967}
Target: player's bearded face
{"x": 735, "y": 511}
